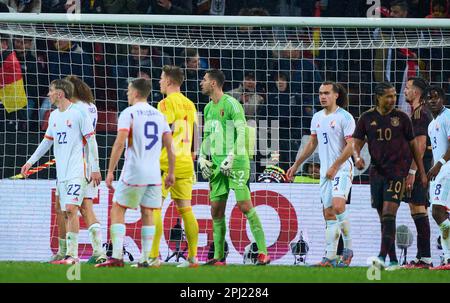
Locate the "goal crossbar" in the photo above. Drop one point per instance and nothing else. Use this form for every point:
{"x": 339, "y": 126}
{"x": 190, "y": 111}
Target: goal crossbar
{"x": 323, "y": 22}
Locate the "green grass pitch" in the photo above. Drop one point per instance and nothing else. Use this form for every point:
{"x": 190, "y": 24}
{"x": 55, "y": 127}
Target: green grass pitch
{"x": 18, "y": 272}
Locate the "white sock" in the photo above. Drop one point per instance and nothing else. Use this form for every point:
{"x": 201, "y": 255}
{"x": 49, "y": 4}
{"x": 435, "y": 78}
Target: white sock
{"x": 95, "y": 235}
{"x": 331, "y": 238}
{"x": 445, "y": 238}
{"x": 117, "y": 236}
{"x": 72, "y": 244}
{"x": 62, "y": 247}
{"x": 344, "y": 225}
{"x": 147, "y": 234}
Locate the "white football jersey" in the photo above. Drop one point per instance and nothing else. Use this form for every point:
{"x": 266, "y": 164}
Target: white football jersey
{"x": 332, "y": 130}
{"x": 439, "y": 133}
{"x": 145, "y": 126}
{"x": 68, "y": 131}
{"x": 91, "y": 111}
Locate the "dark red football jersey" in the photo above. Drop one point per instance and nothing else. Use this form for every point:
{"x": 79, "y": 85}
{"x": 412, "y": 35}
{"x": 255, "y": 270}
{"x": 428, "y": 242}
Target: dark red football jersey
{"x": 421, "y": 118}
{"x": 388, "y": 137}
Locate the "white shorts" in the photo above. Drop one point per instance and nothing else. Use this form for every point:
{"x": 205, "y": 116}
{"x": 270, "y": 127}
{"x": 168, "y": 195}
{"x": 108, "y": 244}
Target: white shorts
{"x": 440, "y": 188}
{"x": 91, "y": 191}
{"x": 133, "y": 196}
{"x": 339, "y": 187}
{"x": 71, "y": 192}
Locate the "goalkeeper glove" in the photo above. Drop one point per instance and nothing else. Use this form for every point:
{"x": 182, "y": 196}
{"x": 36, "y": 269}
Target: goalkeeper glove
{"x": 227, "y": 164}
{"x": 205, "y": 167}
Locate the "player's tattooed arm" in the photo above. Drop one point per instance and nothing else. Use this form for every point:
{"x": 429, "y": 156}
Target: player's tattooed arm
{"x": 422, "y": 146}
{"x": 418, "y": 159}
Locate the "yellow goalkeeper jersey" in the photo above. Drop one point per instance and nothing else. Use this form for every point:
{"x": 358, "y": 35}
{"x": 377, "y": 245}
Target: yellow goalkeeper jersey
{"x": 181, "y": 114}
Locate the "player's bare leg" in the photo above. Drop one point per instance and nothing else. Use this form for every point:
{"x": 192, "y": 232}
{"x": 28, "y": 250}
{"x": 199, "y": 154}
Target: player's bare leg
{"x": 184, "y": 209}
{"x": 344, "y": 225}
{"x": 219, "y": 231}
{"x": 331, "y": 238}
{"x": 73, "y": 227}
{"x": 388, "y": 217}
{"x": 147, "y": 233}
{"x": 118, "y": 232}
{"x": 420, "y": 217}
{"x": 441, "y": 217}
{"x": 249, "y": 211}
{"x": 393, "y": 261}
{"x": 61, "y": 226}
{"x": 154, "y": 260}
{"x": 95, "y": 235}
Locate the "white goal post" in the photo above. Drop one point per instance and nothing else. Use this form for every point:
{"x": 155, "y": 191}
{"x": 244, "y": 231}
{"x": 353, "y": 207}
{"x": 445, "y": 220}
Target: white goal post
{"x": 160, "y": 30}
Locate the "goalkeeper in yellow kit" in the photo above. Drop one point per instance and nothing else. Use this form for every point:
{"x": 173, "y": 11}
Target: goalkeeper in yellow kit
{"x": 225, "y": 143}
{"x": 181, "y": 115}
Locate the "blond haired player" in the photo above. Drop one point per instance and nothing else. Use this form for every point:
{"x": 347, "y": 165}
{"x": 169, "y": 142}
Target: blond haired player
{"x": 83, "y": 97}
{"x": 181, "y": 114}
{"x": 69, "y": 127}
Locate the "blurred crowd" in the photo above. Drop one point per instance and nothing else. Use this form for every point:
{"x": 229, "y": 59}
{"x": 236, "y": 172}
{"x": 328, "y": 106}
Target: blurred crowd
{"x": 306, "y": 8}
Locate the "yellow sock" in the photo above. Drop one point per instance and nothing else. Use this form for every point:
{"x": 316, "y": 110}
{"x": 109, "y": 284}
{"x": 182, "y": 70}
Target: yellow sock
{"x": 157, "y": 220}
{"x": 191, "y": 228}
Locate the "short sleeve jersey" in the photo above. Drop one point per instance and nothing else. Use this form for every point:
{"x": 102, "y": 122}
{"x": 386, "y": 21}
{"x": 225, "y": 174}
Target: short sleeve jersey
{"x": 222, "y": 122}
{"x": 421, "y": 118}
{"x": 180, "y": 112}
{"x": 332, "y": 130}
{"x": 388, "y": 137}
{"x": 68, "y": 130}
{"x": 91, "y": 111}
{"x": 145, "y": 126}
{"x": 439, "y": 132}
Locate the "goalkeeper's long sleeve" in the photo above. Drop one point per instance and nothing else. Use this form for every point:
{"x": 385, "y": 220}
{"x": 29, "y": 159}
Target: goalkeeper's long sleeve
{"x": 205, "y": 147}
{"x": 40, "y": 151}
{"x": 93, "y": 153}
{"x": 239, "y": 144}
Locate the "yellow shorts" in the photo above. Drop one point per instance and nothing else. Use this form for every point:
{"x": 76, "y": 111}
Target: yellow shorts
{"x": 182, "y": 189}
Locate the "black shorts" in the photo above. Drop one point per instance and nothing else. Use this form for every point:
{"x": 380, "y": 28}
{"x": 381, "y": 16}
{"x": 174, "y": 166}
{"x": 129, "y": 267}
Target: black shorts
{"x": 418, "y": 196}
{"x": 383, "y": 189}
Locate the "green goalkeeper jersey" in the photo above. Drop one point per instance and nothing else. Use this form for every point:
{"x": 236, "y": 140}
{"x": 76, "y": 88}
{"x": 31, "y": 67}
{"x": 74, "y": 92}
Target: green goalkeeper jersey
{"x": 225, "y": 132}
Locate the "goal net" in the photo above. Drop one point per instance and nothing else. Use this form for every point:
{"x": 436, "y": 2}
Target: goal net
{"x": 273, "y": 66}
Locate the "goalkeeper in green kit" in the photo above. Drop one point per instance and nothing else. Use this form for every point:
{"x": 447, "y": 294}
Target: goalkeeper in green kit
{"x": 224, "y": 161}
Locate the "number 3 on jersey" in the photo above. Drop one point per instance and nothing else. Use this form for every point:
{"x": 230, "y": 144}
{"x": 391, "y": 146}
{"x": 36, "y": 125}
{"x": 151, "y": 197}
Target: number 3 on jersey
{"x": 151, "y": 132}
{"x": 325, "y": 138}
